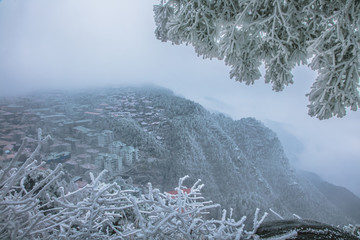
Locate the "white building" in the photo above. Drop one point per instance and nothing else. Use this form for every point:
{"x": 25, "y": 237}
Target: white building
{"x": 105, "y": 138}
{"x": 116, "y": 146}
{"x": 111, "y": 162}
{"x": 130, "y": 155}
{"x": 109, "y": 136}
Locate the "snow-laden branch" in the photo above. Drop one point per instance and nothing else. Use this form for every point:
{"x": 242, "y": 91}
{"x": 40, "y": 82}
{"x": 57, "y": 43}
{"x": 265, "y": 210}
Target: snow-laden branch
{"x": 281, "y": 34}
{"x": 99, "y": 210}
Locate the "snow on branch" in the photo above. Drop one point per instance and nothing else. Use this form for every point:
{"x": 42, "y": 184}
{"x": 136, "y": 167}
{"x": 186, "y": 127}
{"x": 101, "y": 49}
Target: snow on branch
{"x": 353, "y": 229}
{"x": 20, "y": 208}
{"x": 281, "y": 34}
{"x": 45, "y": 209}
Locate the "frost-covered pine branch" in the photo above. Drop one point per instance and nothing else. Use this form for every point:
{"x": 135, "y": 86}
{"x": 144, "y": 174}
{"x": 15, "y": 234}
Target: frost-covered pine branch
{"x": 281, "y": 34}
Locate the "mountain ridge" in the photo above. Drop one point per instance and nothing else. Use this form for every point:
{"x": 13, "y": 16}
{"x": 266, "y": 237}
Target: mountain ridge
{"x": 163, "y": 137}
{"x": 257, "y": 172}
{"x": 343, "y": 198}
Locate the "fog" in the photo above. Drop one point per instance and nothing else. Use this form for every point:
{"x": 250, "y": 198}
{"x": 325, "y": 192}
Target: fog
{"x": 71, "y": 44}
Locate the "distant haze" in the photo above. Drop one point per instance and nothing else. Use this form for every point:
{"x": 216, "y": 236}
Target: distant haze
{"x": 67, "y": 44}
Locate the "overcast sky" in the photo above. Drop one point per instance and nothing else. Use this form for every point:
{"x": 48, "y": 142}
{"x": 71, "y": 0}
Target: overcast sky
{"x": 88, "y": 43}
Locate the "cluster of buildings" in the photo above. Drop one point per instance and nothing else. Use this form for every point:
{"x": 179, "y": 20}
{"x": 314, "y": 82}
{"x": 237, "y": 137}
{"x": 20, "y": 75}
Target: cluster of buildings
{"x": 85, "y": 149}
{"x": 12, "y": 130}
{"x": 80, "y": 139}
{"x": 130, "y": 105}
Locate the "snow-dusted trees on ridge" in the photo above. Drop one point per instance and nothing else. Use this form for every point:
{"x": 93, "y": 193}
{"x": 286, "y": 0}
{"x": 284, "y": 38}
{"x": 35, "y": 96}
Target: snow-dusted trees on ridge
{"x": 49, "y": 209}
{"x": 353, "y": 230}
{"x": 279, "y": 33}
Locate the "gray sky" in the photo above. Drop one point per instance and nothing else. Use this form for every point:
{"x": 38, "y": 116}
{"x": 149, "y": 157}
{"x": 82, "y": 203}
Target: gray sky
{"x": 88, "y": 43}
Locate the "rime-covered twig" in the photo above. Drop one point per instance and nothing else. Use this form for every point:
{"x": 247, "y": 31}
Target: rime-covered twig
{"x": 106, "y": 211}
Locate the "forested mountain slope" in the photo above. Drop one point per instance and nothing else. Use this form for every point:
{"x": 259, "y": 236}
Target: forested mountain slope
{"x": 341, "y": 197}
{"x": 151, "y": 135}
{"x": 241, "y": 163}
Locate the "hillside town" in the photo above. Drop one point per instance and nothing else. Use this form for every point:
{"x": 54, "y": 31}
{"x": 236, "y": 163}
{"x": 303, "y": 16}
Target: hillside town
{"x": 79, "y": 139}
